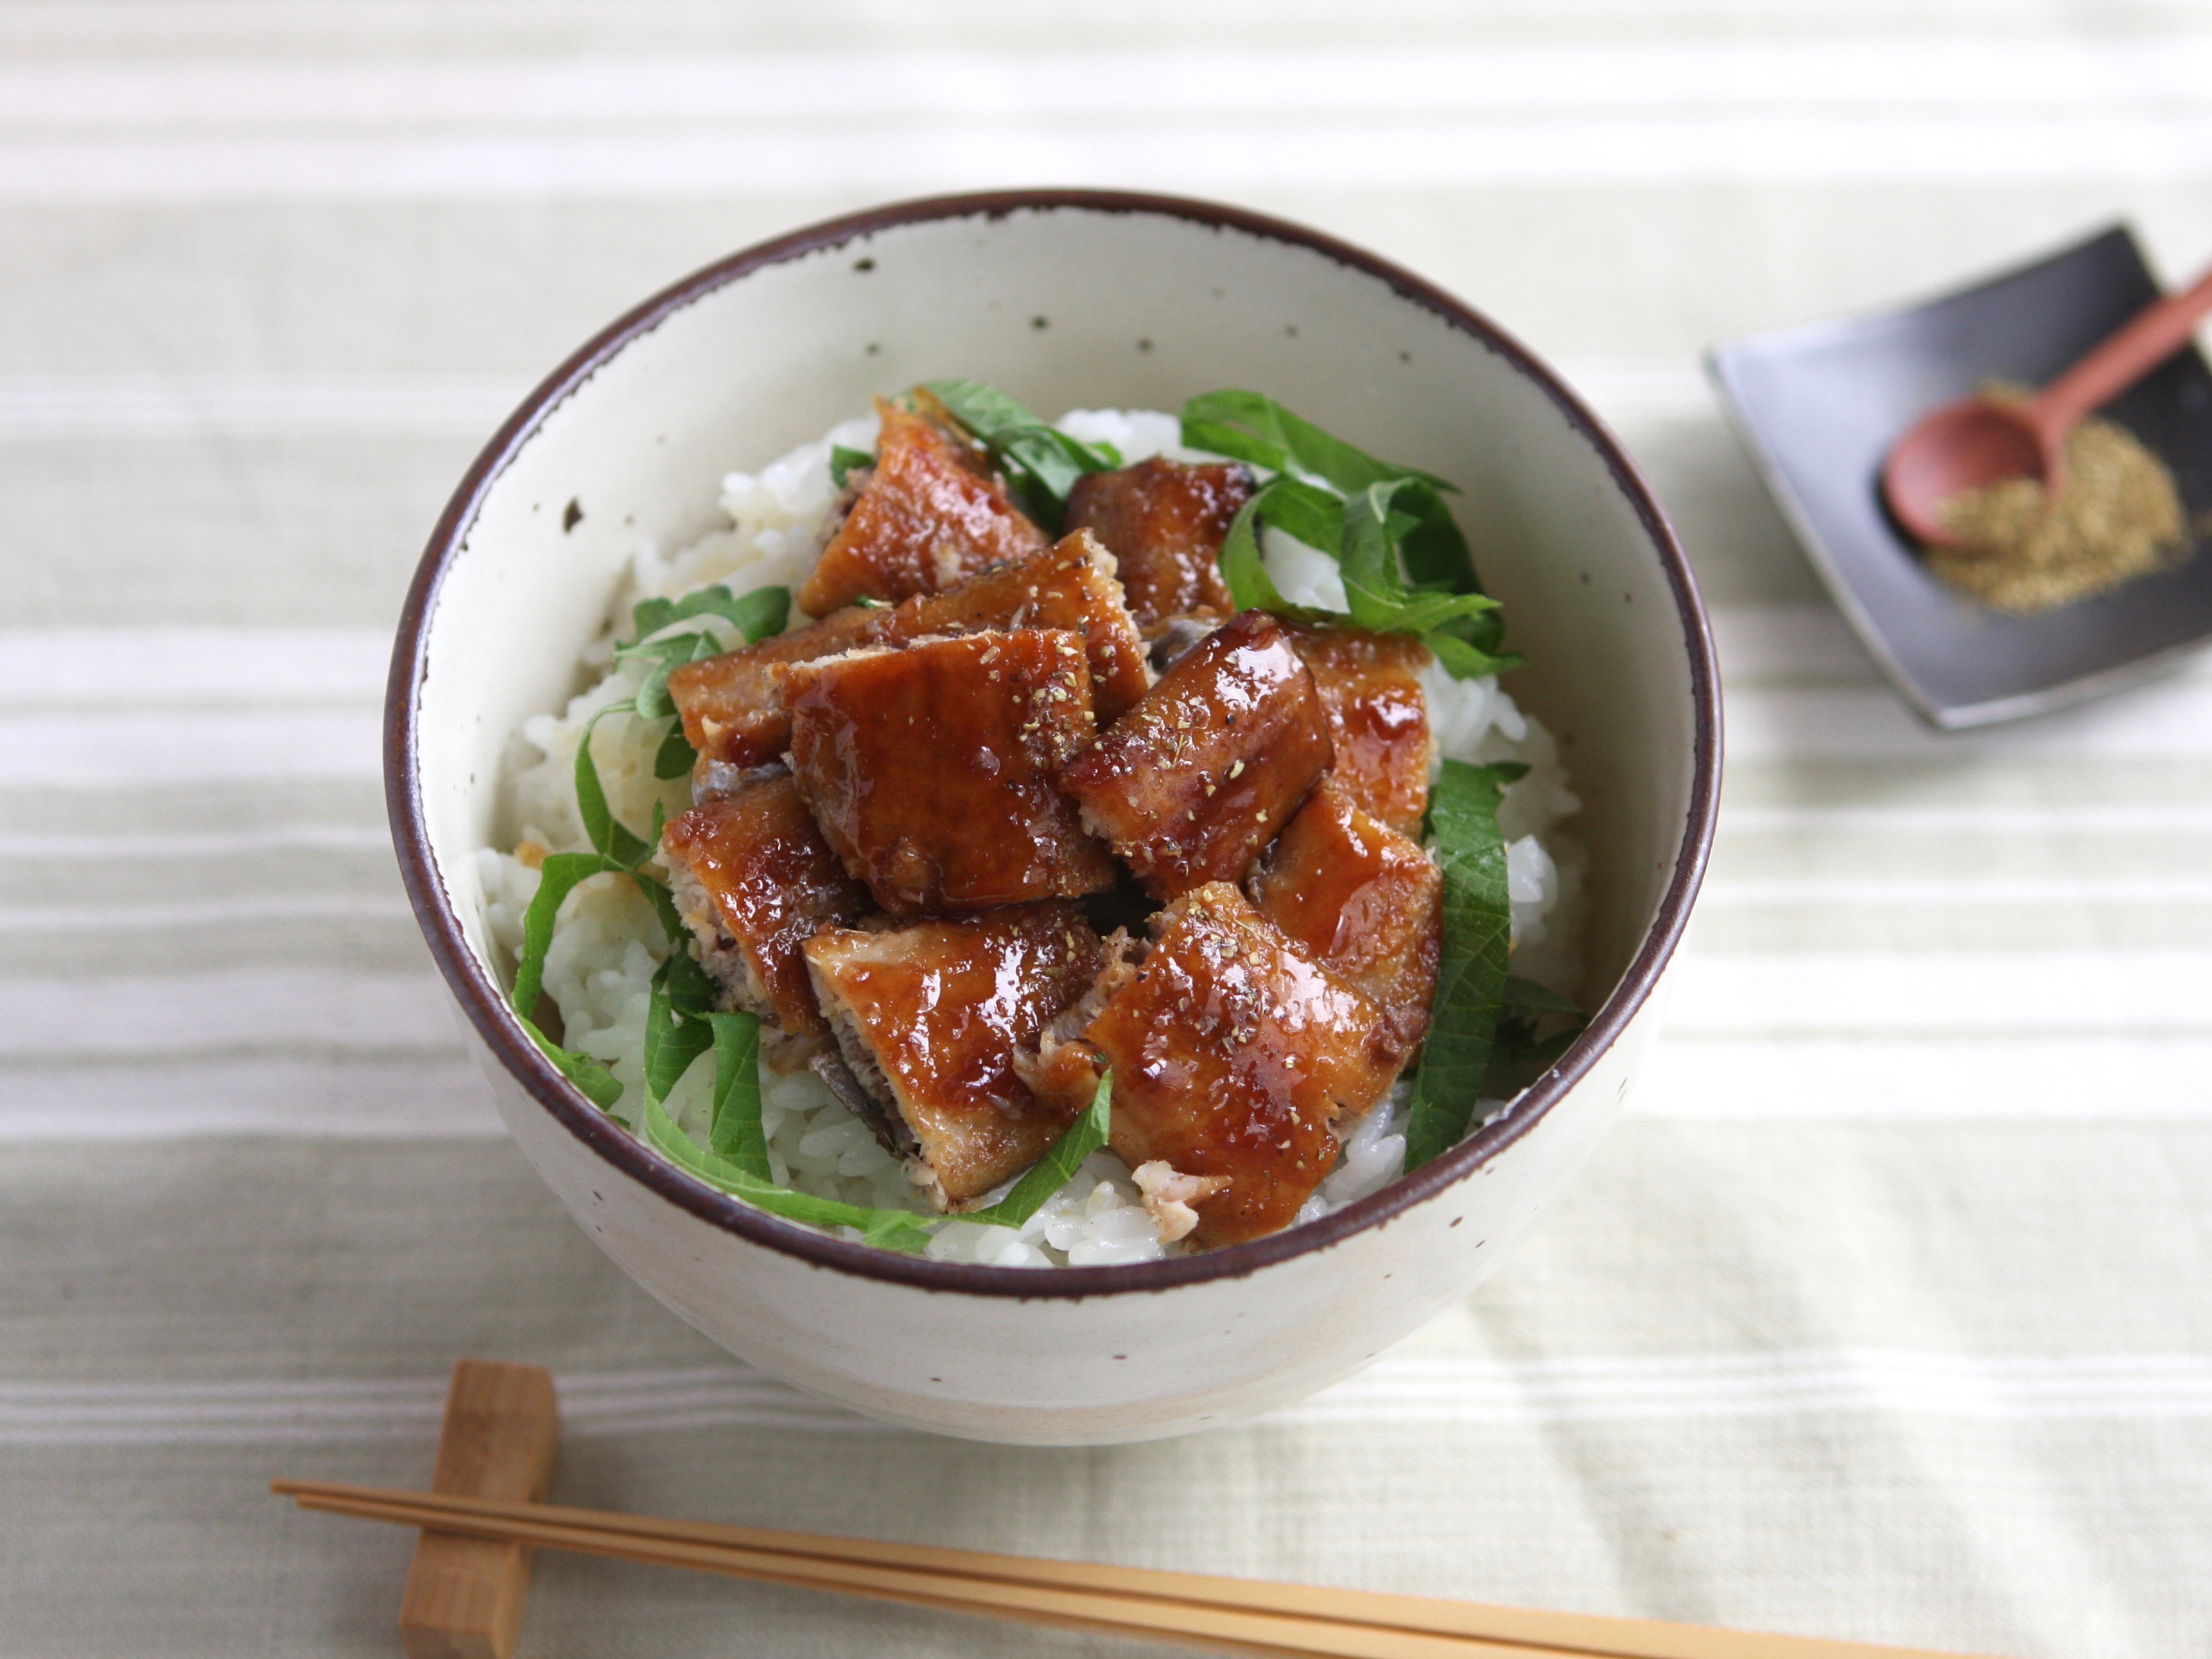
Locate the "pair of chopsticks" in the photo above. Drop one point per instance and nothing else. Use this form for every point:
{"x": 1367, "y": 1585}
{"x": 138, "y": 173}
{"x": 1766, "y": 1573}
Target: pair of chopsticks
{"x": 1230, "y": 1615}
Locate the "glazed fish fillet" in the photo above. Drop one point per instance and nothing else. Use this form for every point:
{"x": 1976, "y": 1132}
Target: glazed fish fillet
{"x": 929, "y": 514}
{"x": 1070, "y": 585}
{"x": 1363, "y": 902}
{"x": 928, "y": 1018}
{"x": 1378, "y": 716}
{"x": 731, "y": 712}
{"x": 1233, "y": 1055}
{"x": 930, "y": 768}
{"x": 1164, "y": 523}
{"x": 734, "y": 717}
{"x": 754, "y": 880}
{"x": 1192, "y": 782}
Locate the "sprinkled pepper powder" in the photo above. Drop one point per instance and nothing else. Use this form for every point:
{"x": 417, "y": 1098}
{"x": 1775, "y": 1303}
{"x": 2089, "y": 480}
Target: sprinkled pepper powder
{"x": 2117, "y": 515}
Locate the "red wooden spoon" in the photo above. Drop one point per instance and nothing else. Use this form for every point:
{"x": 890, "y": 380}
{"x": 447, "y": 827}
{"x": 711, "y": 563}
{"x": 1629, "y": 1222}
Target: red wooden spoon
{"x": 1977, "y": 441}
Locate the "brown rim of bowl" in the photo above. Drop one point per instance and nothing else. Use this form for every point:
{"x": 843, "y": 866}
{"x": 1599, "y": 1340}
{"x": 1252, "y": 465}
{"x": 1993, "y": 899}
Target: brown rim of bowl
{"x": 486, "y": 1005}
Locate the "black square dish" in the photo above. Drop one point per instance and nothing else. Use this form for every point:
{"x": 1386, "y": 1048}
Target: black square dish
{"x": 1818, "y": 406}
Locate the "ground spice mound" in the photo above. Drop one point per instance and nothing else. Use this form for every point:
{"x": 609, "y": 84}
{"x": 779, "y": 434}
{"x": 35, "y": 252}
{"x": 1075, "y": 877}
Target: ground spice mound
{"x": 2117, "y": 515}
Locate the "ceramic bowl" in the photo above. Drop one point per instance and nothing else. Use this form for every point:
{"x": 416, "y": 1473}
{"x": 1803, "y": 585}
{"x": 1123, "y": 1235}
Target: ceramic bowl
{"x": 1064, "y": 299}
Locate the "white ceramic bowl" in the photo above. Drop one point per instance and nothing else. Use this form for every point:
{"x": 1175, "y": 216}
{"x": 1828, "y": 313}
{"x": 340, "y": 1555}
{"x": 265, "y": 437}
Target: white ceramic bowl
{"x": 1064, "y": 299}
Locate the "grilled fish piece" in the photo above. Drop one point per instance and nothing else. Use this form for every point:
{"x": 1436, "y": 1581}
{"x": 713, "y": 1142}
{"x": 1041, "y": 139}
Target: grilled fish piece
{"x": 732, "y": 715}
{"x": 734, "y": 718}
{"x": 928, "y": 1018}
{"x": 1378, "y": 716}
{"x": 1363, "y": 901}
{"x": 754, "y": 880}
{"x": 1164, "y": 523}
{"x": 929, "y": 514}
{"x": 1070, "y": 585}
{"x": 930, "y": 768}
{"x": 1209, "y": 767}
{"x": 1233, "y": 1056}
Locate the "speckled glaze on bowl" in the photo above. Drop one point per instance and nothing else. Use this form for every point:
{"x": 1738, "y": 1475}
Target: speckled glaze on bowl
{"x": 1063, "y": 298}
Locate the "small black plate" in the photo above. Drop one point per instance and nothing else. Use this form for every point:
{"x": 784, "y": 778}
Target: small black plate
{"x": 1818, "y": 406}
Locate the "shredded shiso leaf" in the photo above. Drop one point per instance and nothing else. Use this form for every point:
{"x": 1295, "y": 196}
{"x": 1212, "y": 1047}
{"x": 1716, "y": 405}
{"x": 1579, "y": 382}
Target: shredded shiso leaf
{"x": 756, "y": 614}
{"x": 1040, "y": 462}
{"x": 1258, "y": 429}
{"x": 735, "y": 1160}
{"x": 1406, "y": 565}
{"x": 895, "y": 1229}
{"x": 1057, "y": 1168}
{"x": 1523, "y": 1050}
{"x": 1478, "y": 933}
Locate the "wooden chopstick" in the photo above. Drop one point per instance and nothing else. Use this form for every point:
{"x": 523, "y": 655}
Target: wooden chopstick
{"x": 1227, "y": 1630}
{"x": 1226, "y": 1614}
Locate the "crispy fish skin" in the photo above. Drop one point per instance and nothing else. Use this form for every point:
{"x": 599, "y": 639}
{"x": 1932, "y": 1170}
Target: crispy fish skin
{"x": 930, "y": 768}
{"x": 1164, "y": 523}
{"x": 929, "y": 1017}
{"x": 1069, "y": 585}
{"x": 1208, "y": 767}
{"x": 930, "y": 514}
{"x": 754, "y": 880}
{"x": 1232, "y": 1055}
{"x": 732, "y": 715}
{"x": 1378, "y": 716}
{"x": 1363, "y": 901}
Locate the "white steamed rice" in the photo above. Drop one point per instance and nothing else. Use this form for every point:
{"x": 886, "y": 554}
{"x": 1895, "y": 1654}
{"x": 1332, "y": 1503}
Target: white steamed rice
{"x": 608, "y": 942}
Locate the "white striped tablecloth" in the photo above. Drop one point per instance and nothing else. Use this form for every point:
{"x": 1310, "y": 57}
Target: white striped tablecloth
{"x": 1886, "y": 1313}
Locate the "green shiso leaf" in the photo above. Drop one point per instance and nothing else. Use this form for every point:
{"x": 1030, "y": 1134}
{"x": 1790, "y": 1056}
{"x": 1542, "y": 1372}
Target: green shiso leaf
{"x": 843, "y": 461}
{"x": 734, "y": 1130}
{"x": 671, "y": 1040}
{"x": 758, "y": 613}
{"x": 982, "y": 409}
{"x": 1057, "y": 1168}
{"x": 609, "y": 834}
{"x": 1045, "y": 463}
{"x": 689, "y": 988}
{"x": 653, "y": 701}
{"x": 557, "y": 879}
{"x": 1040, "y": 462}
{"x": 1405, "y": 562}
{"x": 592, "y": 1080}
{"x": 1250, "y": 585}
{"x": 1380, "y": 596}
{"x": 1525, "y": 993}
{"x": 1471, "y": 974}
{"x": 1268, "y": 429}
{"x": 1314, "y": 516}
{"x": 894, "y": 1229}
{"x": 1524, "y": 1048}
{"x": 1258, "y": 429}
{"x": 680, "y": 980}
{"x": 675, "y": 756}
{"x": 1465, "y": 662}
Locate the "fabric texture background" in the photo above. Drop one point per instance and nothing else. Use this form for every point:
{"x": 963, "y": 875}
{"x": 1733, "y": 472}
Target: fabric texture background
{"x": 1885, "y": 1314}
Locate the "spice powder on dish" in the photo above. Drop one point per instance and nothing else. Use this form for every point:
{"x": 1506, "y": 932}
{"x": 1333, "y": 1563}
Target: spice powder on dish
{"x": 2117, "y": 515}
